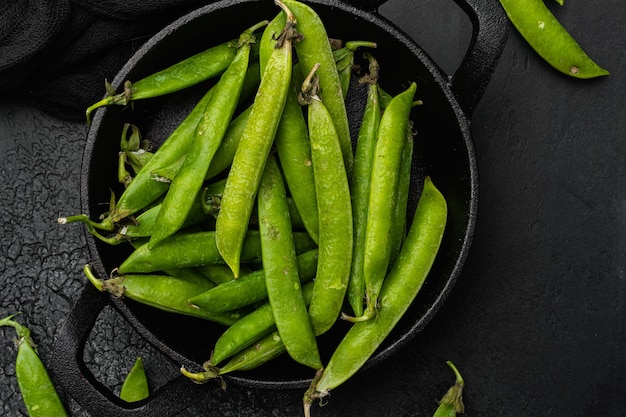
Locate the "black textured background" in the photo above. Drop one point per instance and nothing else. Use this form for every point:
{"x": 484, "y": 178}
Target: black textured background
{"x": 536, "y": 321}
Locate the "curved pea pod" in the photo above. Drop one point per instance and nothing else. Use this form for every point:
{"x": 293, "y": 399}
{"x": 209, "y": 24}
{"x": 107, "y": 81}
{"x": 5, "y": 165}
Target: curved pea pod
{"x": 254, "y": 147}
{"x": 398, "y": 292}
{"x": 451, "y": 403}
{"x": 360, "y": 185}
{"x": 135, "y": 386}
{"x": 334, "y": 212}
{"x": 344, "y": 59}
{"x": 383, "y": 195}
{"x": 184, "y": 250}
{"x": 314, "y": 49}
{"x": 249, "y": 288}
{"x": 545, "y": 34}
{"x": 38, "y": 393}
{"x": 292, "y": 141}
{"x": 186, "y": 73}
{"x": 164, "y": 292}
{"x": 207, "y": 139}
{"x": 281, "y": 269}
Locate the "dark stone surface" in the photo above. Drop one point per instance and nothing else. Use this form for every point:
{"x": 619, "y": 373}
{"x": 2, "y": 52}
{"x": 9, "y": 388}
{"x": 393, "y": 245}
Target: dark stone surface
{"x": 536, "y": 321}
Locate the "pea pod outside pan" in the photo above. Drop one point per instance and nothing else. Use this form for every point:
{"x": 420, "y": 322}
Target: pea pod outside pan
{"x": 443, "y": 149}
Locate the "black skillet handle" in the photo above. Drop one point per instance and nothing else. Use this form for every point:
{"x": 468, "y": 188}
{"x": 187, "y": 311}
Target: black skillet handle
{"x": 75, "y": 378}
{"x": 490, "y": 31}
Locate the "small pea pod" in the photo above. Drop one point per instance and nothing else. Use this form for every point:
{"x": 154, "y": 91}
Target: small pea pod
{"x": 360, "y": 184}
{"x": 452, "y": 402}
{"x": 398, "y": 292}
{"x": 383, "y": 196}
{"x": 545, "y": 34}
{"x": 207, "y": 139}
{"x": 135, "y": 386}
{"x": 314, "y": 49}
{"x": 190, "y": 71}
{"x": 163, "y": 292}
{"x": 247, "y": 167}
{"x": 281, "y": 269}
{"x": 38, "y": 392}
{"x": 334, "y": 211}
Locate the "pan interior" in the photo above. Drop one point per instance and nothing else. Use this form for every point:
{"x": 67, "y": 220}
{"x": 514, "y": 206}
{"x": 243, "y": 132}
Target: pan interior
{"x": 443, "y": 150}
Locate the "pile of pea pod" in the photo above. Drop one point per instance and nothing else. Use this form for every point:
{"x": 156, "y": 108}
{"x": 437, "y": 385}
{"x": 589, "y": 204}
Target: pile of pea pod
{"x": 260, "y": 214}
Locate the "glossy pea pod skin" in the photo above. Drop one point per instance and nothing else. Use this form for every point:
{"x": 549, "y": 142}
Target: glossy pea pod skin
{"x": 37, "y": 389}
{"x": 135, "y": 386}
{"x": 190, "y": 71}
{"x": 314, "y": 49}
{"x": 545, "y": 34}
{"x": 292, "y": 139}
{"x": 383, "y": 195}
{"x": 207, "y": 139}
{"x": 360, "y": 184}
{"x": 163, "y": 292}
{"x": 334, "y": 212}
{"x": 184, "y": 250}
{"x": 250, "y": 288}
{"x": 398, "y": 292}
{"x": 281, "y": 269}
{"x": 254, "y": 147}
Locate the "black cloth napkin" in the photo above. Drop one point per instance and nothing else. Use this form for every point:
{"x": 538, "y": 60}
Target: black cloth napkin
{"x": 56, "y": 54}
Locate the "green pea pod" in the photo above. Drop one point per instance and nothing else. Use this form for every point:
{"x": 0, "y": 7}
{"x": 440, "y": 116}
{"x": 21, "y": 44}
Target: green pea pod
{"x": 315, "y": 49}
{"x": 245, "y": 172}
{"x": 452, "y": 402}
{"x": 250, "y": 288}
{"x": 360, "y": 184}
{"x": 162, "y": 292}
{"x": 398, "y": 292}
{"x": 183, "y": 74}
{"x": 545, "y": 34}
{"x": 207, "y": 139}
{"x": 344, "y": 59}
{"x": 383, "y": 196}
{"x": 38, "y": 393}
{"x": 135, "y": 386}
{"x": 184, "y": 250}
{"x": 292, "y": 141}
{"x": 281, "y": 269}
{"x": 261, "y": 352}
{"x": 334, "y": 211}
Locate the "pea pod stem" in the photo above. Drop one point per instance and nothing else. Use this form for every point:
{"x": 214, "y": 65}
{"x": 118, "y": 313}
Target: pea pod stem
{"x": 545, "y": 34}
{"x": 451, "y": 403}
{"x": 249, "y": 160}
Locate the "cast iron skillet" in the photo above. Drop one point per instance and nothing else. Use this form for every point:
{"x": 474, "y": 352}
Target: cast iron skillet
{"x": 444, "y": 150}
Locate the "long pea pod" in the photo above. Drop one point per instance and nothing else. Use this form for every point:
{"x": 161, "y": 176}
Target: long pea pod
{"x": 315, "y": 49}
{"x": 135, "y": 386}
{"x": 545, "y": 34}
{"x": 207, "y": 139}
{"x": 256, "y": 141}
{"x": 383, "y": 196}
{"x": 190, "y": 71}
{"x": 398, "y": 292}
{"x": 360, "y": 184}
{"x": 281, "y": 269}
{"x": 249, "y": 288}
{"x": 38, "y": 392}
{"x": 292, "y": 139}
{"x": 334, "y": 211}
{"x": 163, "y": 292}
{"x": 451, "y": 403}
{"x": 185, "y": 250}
